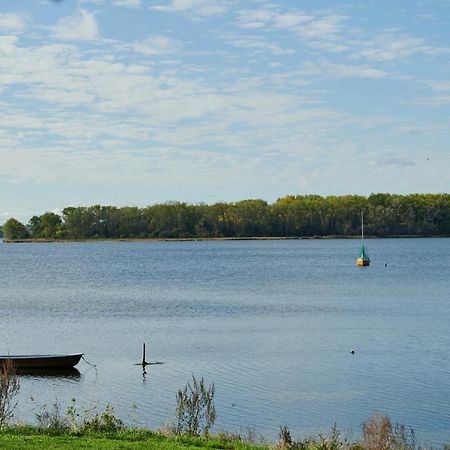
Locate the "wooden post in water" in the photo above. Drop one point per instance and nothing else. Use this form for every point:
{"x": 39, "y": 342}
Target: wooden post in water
{"x": 143, "y": 354}
{"x": 144, "y": 362}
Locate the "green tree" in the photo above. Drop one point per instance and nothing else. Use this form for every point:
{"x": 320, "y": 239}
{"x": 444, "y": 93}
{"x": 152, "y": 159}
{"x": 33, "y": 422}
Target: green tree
{"x": 13, "y": 229}
{"x": 250, "y": 218}
{"x": 301, "y": 215}
{"x": 164, "y": 220}
{"x": 47, "y": 226}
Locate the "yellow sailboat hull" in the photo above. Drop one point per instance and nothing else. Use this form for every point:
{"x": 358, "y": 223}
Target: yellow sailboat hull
{"x": 363, "y": 262}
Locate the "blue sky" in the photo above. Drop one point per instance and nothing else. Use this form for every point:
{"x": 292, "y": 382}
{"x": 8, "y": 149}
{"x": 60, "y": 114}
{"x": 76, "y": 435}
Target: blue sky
{"x": 132, "y": 102}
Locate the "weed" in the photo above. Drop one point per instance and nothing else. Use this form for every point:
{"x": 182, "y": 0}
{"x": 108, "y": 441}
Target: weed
{"x": 380, "y": 434}
{"x": 285, "y": 438}
{"x": 334, "y": 441}
{"x": 89, "y": 420}
{"x": 51, "y": 418}
{"x": 103, "y": 422}
{"x": 195, "y": 411}
{"x": 404, "y": 437}
{"x": 9, "y": 388}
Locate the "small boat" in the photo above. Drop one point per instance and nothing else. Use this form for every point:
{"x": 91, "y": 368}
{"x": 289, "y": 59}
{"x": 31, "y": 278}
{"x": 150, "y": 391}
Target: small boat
{"x": 363, "y": 259}
{"x": 42, "y": 361}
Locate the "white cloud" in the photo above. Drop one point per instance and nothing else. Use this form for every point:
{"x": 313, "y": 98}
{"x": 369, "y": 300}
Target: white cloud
{"x": 198, "y": 8}
{"x": 440, "y": 85}
{"x": 331, "y": 32}
{"x": 7, "y": 140}
{"x": 433, "y": 101}
{"x": 80, "y": 26}
{"x": 257, "y": 43}
{"x": 93, "y": 2}
{"x": 220, "y": 112}
{"x": 128, "y": 3}
{"x": 291, "y": 20}
{"x": 8, "y": 44}
{"x": 155, "y": 45}
{"x": 323, "y": 30}
{"x": 253, "y": 19}
{"x": 10, "y": 22}
{"x": 392, "y": 46}
{"x": 326, "y": 32}
{"x": 333, "y": 70}
{"x": 129, "y": 123}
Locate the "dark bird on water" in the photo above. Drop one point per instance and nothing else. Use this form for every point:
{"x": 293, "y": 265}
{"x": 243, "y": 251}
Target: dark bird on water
{"x": 352, "y": 352}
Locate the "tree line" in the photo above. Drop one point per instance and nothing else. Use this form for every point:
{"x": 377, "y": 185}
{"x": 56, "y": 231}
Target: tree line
{"x": 290, "y": 216}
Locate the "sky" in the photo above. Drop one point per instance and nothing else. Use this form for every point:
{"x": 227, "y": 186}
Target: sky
{"x": 134, "y": 102}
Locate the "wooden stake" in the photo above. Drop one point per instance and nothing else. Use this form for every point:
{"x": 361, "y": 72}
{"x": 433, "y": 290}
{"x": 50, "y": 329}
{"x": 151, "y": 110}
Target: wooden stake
{"x": 144, "y": 362}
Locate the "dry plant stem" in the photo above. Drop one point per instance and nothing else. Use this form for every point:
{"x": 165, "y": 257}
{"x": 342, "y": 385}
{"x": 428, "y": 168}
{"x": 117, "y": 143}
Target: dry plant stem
{"x": 285, "y": 440}
{"x": 378, "y": 434}
{"x": 9, "y": 388}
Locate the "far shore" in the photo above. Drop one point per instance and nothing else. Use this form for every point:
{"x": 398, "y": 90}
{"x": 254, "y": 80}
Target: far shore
{"x": 192, "y": 239}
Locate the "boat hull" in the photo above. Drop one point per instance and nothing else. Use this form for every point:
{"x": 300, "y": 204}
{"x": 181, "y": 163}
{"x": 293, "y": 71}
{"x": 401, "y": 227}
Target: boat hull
{"x": 42, "y": 361}
{"x": 363, "y": 262}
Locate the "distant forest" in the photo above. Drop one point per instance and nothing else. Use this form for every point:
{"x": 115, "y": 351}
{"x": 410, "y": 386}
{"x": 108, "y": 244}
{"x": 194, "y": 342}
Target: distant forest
{"x": 290, "y": 216}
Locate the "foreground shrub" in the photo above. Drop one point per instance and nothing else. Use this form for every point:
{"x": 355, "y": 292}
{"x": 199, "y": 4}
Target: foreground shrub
{"x": 285, "y": 438}
{"x": 51, "y": 417}
{"x": 9, "y": 388}
{"x": 195, "y": 411}
{"x": 89, "y": 420}
{"x": 377, "y": 432}
{"x": 105, "y": 421}
{"x": 380, "y": 434}
{"x": 333, "y": 441}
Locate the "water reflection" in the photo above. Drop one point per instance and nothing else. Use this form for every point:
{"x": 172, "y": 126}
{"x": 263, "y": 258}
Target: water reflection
{"x": 65, "y": 373}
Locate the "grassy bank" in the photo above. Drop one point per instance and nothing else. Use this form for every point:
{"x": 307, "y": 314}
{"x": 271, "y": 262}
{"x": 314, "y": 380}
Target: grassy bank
{"x": 194, "y": 417}
{"x": 35, "y": 438}
{"x": 378, "y": 434}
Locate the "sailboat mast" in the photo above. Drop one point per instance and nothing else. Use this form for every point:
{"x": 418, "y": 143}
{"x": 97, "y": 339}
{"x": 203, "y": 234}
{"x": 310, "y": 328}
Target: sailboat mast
{"x": 362, "y": 227}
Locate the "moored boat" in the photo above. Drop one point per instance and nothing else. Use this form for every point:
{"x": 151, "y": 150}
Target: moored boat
{"x": 363, "y": 259}
{"x": 42, "y": 361}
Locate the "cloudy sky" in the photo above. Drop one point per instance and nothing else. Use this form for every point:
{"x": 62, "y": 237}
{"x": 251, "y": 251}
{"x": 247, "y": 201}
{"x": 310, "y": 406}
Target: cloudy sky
{"x": 132, "y": 102}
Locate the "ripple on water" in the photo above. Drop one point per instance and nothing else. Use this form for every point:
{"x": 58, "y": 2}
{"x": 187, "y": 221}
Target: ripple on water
{"x": 271, "y": 323}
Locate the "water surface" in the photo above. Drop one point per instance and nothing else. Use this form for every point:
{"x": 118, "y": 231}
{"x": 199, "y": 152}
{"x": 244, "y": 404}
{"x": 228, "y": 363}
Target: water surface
{"x": 272, "y": 323}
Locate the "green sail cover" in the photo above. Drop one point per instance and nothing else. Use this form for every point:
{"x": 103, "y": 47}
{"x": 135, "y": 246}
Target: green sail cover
{"x": 363, "y": 254}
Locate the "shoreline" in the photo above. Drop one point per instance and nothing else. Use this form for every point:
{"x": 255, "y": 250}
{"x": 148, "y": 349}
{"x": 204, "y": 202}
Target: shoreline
{"x": 194, "y": 239}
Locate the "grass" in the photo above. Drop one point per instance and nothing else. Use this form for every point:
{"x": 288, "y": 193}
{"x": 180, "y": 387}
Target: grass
{"x": 378, "y": 434}
{"x": 25, "y": 438}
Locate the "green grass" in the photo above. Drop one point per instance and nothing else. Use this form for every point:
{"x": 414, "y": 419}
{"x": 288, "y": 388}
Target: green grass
{"x": 25, "y": 438}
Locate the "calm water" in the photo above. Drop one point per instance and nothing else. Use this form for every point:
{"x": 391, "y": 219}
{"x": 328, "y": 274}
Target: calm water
{"x": 272, "y": 323}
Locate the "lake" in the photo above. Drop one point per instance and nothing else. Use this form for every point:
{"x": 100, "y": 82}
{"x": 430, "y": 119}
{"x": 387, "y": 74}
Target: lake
{"x": 272, "y": 323}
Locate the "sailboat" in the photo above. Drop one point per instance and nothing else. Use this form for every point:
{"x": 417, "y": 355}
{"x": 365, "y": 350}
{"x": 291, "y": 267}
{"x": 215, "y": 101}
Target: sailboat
{"x": 363, "y": 259}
